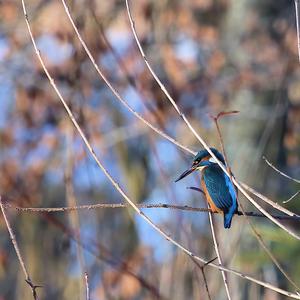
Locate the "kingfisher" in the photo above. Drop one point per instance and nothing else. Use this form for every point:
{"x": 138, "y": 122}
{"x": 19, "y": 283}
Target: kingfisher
{"x": 218, "y": 189}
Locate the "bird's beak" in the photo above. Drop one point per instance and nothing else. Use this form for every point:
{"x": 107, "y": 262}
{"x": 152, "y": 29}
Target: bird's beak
{"x": 186, "y": 173}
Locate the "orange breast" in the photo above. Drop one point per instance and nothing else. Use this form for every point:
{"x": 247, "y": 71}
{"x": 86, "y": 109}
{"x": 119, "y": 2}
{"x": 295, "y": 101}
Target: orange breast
{"x": 208, "y": 198}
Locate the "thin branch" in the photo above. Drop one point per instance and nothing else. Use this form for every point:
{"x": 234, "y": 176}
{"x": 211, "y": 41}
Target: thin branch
{"x": 224, "y": 113}
{"x": 280, "y": 172}
{"x": 74, "y": 219}
{"x": 120, "y": 190}
{"x": 200, "y": 139}
{"x": 292, "y": 197}
{"x": 216, "y": 119}
{"x": 268, "y": 252}
{"x": 297, "y": 10}
{"x": 162, "y": 87}
{"x": 18, "y": 252}
{"x": 141, "y": 206}
{"x": 269, "y": 201}
{"x": 205, "y": 283}
{"x": 216, "y": 245}
{"x": 204, "y": 276}
{"x": 201, "y": 267}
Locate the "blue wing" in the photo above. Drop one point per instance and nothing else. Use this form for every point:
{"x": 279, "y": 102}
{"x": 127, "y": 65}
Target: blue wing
{"x": 221, "y": 191}
{"x": 217, "y": 187}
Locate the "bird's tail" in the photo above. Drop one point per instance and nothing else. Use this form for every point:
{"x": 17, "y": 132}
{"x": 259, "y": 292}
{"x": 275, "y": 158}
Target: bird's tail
{"x": 228, "y": 215}
{"x": 227, "y": 219}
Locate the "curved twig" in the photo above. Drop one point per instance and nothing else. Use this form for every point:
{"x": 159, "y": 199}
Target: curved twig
{"x": 292, "y": 197}
{"x": 269, "y": 201}
{"x": 18, "y": 252}
{"x": 280, "y": 172}
{"x": 216, "y": 246}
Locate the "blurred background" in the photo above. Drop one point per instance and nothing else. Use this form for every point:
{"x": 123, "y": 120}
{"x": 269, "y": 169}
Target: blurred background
{"x": 212, "y": 56}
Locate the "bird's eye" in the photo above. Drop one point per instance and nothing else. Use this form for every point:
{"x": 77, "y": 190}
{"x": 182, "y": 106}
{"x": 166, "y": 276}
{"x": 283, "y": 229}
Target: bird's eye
{"x": 196, "y": 162}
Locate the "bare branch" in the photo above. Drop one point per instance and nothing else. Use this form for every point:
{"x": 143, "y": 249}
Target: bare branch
{"x": 292, "y": 197}
{"x": 267, "y": 250}
{"x": 210, "y": 214}
{"x": 74, "y": 219}
{"x": 269, "y": 201}
{"x": 280, "y": 172}
{"x": 18, "y": 252}
{"x": 224, "y": 113}
{"x": 216, "y": 245}
{"x": 205, "y": 283}
{"x": 141, "y": 206}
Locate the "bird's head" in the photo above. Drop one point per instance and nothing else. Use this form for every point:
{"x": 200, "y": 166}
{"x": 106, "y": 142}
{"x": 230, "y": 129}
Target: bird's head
{"x": 202, "y": 160}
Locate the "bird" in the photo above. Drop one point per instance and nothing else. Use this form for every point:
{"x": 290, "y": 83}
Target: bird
{"x": 218, "y": 189}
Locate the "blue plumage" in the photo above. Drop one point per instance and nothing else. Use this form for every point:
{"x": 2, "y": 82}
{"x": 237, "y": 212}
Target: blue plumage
{"x": 219, "y": 190}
